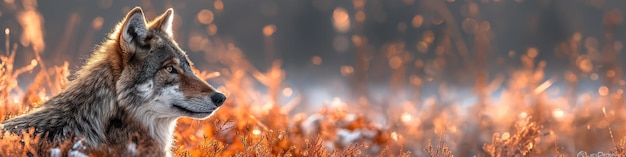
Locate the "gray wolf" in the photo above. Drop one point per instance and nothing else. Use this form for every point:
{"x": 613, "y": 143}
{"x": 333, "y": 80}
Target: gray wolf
{"x": 132, "y": 89}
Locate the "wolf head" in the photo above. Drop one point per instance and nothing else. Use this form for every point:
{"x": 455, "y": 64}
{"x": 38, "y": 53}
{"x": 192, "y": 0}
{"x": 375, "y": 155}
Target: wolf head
{"x": 156, "y": 77}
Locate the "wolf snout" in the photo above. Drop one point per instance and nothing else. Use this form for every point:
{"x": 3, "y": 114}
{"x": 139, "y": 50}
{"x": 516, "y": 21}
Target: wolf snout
{"x": 218, "y": 99}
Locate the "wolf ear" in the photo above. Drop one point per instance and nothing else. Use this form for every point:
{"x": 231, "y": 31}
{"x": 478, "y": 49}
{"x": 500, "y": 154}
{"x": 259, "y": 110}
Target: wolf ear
{"x": 133, "y": 32}
{"x": 164, "y": 22}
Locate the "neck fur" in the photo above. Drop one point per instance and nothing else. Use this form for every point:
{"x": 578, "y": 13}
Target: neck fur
{"x": 161, "y": 129}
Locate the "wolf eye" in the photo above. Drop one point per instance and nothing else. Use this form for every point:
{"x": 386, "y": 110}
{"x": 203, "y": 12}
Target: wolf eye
{"x": 171, "y": 69}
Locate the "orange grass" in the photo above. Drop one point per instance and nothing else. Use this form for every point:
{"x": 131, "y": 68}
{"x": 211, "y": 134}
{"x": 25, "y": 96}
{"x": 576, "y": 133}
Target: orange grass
{"x": 237, "y": 130}
{"x": 523, "y": 121}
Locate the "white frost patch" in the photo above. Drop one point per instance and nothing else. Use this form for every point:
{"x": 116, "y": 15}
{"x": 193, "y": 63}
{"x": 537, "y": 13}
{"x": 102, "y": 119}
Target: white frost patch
{"x": 131, "y": 148}
{"x": 76, "y": 150}
{"x": 55, "y": 152}
{"x": 74, "y": 153}
{"x": 79, "y": 145}
{"x": 598, "y": 154}
{"x": 347, "y": 137}
{"x": 350, "y": 118}
{"x": 330, "y": 145}
{"x": 312, "y": 124}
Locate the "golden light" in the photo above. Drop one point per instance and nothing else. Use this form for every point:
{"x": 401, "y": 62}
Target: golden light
{"x": 415, "y": 80}
{"x": 299, "y": 116}
{"x": 603, "y": 91}
{"x": 406, "y": 117}
{"x": 610, "y": 73}
{"x": 427, "y": 57}
{"x": 218, "y": 5}
{"x": 212, "y": 29}
{"x": 542, "y": 87}
{"x": 269, "y": 30}
{"x": 15, "y": 100}
{"x": 267, "y": 107}
{"x": 43, "y": 96}
{"x": 346, "y": 70}
{"x": 429, "y": 36}
{"x": 205, "y": 16}
{"x": 395, "y": 62}
{"x": 97, "y": 23}
{"x": 316, "y": 60}
{"x": 33, "y": 62}
{"x": 394, "y": 136}
{"x": 452, "y": 129}
{"x": 417, "y": 21}
{"x": 358, "y": 4}
{"x": 584, "y": 63}
{"x": 214, "y": 74}
{"x": 505, "y": 136}
{"x": 32, "y": 33}
{"x": 558, "y": 113}
{"x": 523, "y": 115}
{"x": 338, "y": 104}
{"x": 256, "y": 132}
{"x": 341, "y": 19}
{"x": 287, "y": 91}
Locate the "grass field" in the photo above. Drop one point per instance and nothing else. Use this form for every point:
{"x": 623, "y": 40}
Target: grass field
{"x": 529, "y": 116}
{"x": 242, "y": 127}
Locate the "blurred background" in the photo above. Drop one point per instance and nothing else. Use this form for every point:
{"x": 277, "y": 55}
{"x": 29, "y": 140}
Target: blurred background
{"x": 316, "y": 39}
{"x": 391, "y": 60}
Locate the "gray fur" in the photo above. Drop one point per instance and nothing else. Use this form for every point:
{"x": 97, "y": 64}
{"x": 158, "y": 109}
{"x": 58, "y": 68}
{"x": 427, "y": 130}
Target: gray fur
{"x": 131, "y": 90}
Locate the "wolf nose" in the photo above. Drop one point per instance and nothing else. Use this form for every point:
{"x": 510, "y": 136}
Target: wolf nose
{"x": 218, "y": 99}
